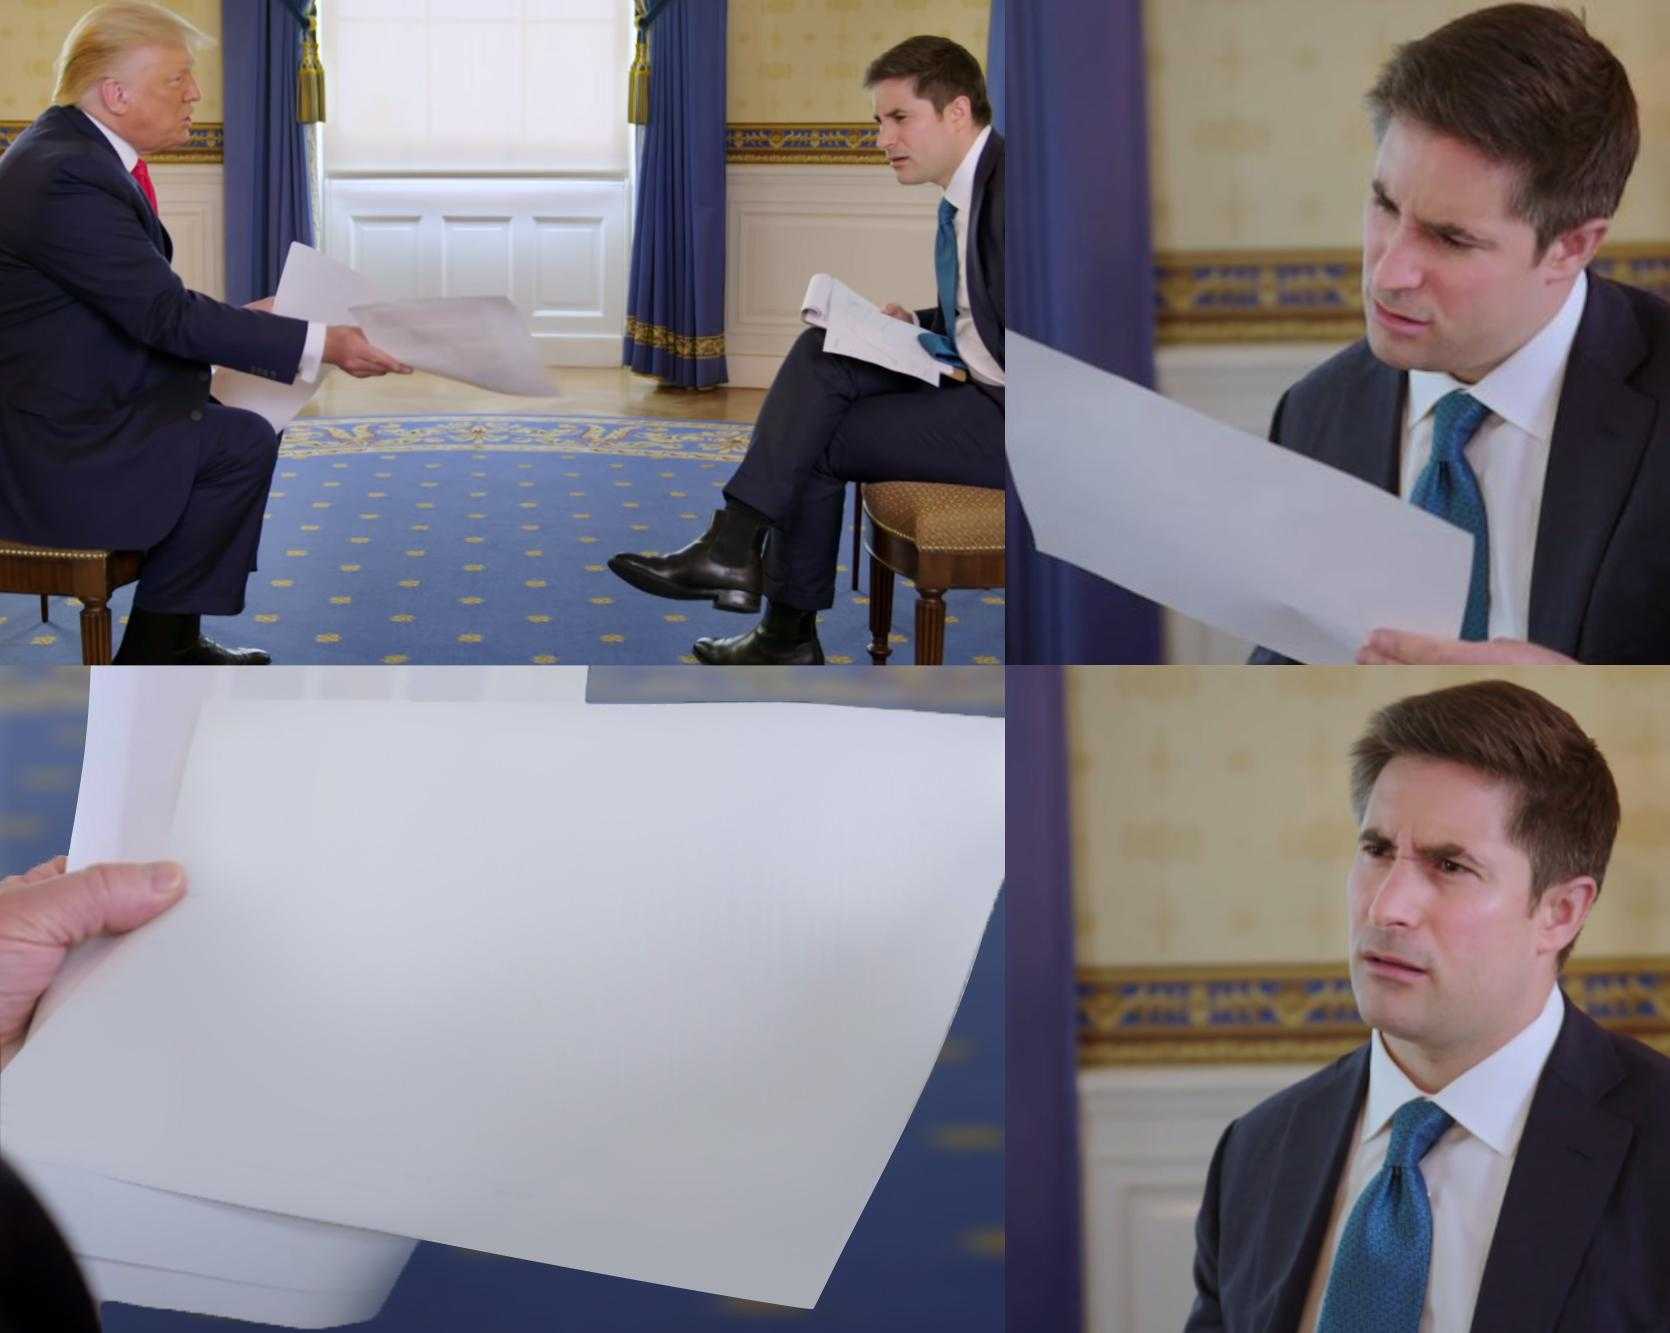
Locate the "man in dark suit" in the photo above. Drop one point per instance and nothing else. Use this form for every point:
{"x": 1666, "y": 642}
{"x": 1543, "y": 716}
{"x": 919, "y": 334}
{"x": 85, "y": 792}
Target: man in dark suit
{"x": 1500, "y": 385}
{"x": 1492, "y": 1159}
{"x": 831, "y": 419}
{"x": 108, "y": 436}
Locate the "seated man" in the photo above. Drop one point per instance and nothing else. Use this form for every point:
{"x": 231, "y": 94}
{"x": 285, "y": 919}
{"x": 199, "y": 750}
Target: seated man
{"x": 831, "y": 419}
{"x": 108, "y": 436}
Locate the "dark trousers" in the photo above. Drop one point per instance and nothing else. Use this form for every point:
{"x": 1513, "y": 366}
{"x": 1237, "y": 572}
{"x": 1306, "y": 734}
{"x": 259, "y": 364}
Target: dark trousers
{"x": 40, "y": 1285}
{"x": 829, "y": 420}
{"x": 201, "y": 566}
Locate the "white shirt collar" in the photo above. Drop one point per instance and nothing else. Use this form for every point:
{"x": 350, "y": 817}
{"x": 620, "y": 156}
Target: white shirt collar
{"x": 1524, "y": 389}
{"x": 124, "y": 150}
{"x": 961, "y": 189}
{"x": 1490, "y": 1101}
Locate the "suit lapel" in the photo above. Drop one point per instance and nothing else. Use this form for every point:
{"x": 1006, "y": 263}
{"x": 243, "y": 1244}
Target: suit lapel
{"x": 1600, "y": 434}
{"x": 1364, "y": 436}
{"x": 82, "y": 124}
{"x": 1312, "y": 1153}
{"x": 1568, "y": 1161}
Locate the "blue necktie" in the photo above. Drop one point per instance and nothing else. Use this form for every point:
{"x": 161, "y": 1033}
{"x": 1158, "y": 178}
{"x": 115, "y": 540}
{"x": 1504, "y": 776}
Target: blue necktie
{"x": 943, "y": 346}
{"x": 1378, "y": 1281}
{"x": 1449, "y": 488}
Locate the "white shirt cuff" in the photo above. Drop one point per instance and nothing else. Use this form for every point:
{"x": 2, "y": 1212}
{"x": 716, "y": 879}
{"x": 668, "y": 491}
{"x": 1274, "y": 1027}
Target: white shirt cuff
{"x": 313, "y": 354}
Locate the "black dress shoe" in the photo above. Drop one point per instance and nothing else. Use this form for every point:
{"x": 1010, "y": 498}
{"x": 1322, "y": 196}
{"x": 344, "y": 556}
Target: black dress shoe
{"x": 696, "y": 573}
{"x": 206, "y": 652}
{"x": 760, "y": 646}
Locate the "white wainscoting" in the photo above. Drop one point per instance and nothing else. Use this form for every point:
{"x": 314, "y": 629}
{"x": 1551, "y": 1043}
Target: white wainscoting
{"x": 1147, "y": 1139}
{"x": 558, "y": 248}
{"x": 192, "y": 203}
{"x": 1241, "y": 385}
{"x": 785, "y": 223}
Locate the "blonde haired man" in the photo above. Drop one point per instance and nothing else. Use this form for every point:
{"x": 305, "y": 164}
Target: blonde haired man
{"x": 108, "y": 436}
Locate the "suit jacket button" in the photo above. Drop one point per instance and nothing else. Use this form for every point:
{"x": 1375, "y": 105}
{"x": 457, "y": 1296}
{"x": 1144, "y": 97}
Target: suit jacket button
{"x": 197, "y": 416}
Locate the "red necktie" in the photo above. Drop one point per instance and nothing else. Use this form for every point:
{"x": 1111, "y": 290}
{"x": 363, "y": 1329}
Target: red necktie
{"x": 142, "y": 174}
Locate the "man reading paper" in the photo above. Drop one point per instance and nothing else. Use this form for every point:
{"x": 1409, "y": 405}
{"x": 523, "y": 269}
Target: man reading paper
{"x": 108, "y": 436}
{"x": 831, "y": 419}
{"x": 1501, "y": 386}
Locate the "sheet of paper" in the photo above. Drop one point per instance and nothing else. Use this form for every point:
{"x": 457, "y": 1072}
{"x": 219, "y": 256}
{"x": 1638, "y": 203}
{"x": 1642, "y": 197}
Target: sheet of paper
{"x": 155, "y": 1248}
{"x": 1254, "y": 539}
{"x": 480, "y": 340}
{"x": 312, "y": 287}
{"x": 437, "y": 978}
{"x": 854, "y": 326}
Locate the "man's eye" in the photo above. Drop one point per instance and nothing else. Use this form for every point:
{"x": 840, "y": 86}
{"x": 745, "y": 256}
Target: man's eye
{"x": 1452, "y": 867}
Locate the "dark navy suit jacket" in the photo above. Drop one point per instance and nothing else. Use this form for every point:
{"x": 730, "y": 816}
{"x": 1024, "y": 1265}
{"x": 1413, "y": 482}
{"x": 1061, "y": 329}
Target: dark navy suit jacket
{"x": 1600, "y": 575}
{"x": 985, "y": 259}
{"x": 1582, "y": 1243}
{"x": 101, "y": 346}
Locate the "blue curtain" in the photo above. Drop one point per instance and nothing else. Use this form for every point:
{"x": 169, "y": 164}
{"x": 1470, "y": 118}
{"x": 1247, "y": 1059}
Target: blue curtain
{"x": 675, "y": 305}
{"x": 997, "y": 66}
{"x": 267, "y": 203}
{"x": 1041, "y": 1137}
{"x": 1080, "y": 279}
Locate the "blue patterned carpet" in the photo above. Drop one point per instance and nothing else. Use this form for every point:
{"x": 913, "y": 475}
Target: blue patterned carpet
{"x": 482, "y": 540}
{"x": 927, "y": 1255}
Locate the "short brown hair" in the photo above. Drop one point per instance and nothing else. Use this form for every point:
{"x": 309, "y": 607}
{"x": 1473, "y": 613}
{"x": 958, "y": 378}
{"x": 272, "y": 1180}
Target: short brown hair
{"x": 1565, "y": 814}
{"x": 1526, "y": 85}
{"x": 940, "y": 70}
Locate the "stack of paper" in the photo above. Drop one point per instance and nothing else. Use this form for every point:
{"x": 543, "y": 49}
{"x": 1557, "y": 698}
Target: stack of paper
{"x": 439, "y": 977}
{"x": 855, "y": 327}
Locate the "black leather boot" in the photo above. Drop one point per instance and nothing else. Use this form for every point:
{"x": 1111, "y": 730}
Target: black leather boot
{"x": 156, "y": 638}
{"x": 722, "y": 565}
{"x": 785, "y": 636}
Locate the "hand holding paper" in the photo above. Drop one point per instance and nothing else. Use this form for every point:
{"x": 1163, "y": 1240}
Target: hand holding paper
{"x": 854, "y": 327}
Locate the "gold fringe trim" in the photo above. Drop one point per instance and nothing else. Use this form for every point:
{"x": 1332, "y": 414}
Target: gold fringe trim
{"x": 688, "y": 346}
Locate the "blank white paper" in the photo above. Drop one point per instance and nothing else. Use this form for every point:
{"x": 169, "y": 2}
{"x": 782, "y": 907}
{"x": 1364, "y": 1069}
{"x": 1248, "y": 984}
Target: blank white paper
{"x": 313, "y": 287}
{"x": 440, "y": 975}
{"x": 855, "y": 326}
{"x": 1251, "y": 538}
{"x": 480, "y": 340}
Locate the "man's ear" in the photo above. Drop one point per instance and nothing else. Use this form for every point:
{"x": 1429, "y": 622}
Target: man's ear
{"x": 1569, "y": 253}
{"x": 1561, "y": 911}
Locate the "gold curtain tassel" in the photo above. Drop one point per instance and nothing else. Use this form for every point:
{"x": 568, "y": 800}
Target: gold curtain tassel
{"x": 637, "y": 96}
{"x": 310, "y": 82}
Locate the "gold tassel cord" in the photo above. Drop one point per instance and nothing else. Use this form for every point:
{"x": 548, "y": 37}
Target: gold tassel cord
{"x": 310, "y": 83}
{"x": 637, "y": 88}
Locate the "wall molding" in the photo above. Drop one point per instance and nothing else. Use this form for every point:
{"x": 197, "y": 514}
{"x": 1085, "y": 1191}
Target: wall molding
{"x": 1259, "y": 1013}
{"x": 207, "y": 146}
{"x": 1206, "y": 296}
{"x": 811, "y": 143}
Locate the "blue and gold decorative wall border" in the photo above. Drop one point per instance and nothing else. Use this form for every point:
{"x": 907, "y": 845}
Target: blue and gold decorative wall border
{"x": 207, "y": 146}
{"x": 1207, "y": 296}
{"x": 1279, "y": 1013}
{"x": 814, "y": 145}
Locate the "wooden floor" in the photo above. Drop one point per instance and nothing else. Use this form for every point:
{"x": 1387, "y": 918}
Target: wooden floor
{"x": 612, "y": 391}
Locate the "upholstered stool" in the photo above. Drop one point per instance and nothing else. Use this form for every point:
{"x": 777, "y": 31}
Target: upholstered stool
{"x": 940, "y": 536}
{"x": 89, "y": 575}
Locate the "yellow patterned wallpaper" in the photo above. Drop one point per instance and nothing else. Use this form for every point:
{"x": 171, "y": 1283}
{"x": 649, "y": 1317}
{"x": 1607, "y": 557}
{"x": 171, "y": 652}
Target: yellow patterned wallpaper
{"x": 803, "y": 60}
{"x": 32, "y": 31}
{"x": 1258, "y": 137}
{"x": 1211, "y": 822}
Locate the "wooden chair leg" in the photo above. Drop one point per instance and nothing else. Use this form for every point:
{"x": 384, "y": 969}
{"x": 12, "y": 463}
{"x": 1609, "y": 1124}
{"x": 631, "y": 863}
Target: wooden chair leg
{"x": 95, "y": 632}
{"x": 881, "y": 612}
{"x": 43, "y": 609}
{"x": 930, "y": 626}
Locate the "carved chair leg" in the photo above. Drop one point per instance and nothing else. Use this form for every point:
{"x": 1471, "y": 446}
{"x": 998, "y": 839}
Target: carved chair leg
{"x": 95, "y": 632}
{"x": 881, "y": 612}
{"x": 930, "y": 626}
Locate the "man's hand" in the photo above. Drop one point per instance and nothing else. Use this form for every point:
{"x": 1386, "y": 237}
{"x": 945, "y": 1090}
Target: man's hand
{"x": 44, "y": 912}
{"x": 898, "y": 312}
{"x": 1393, "y": 647}
{"x": 346, "y": 346}
{"x": 264, "y": 305}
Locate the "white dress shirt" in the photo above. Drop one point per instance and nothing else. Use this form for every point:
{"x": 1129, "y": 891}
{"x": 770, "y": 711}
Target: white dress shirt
{"x": 313, "y": 350}
{"x": 980, "y": 362}
{"x": 1466, "y": 1171}
{"x": 1509, "y": 452}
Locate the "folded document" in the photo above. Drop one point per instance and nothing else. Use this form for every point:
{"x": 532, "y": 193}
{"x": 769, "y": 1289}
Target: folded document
{"x": 855, "y": 327}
